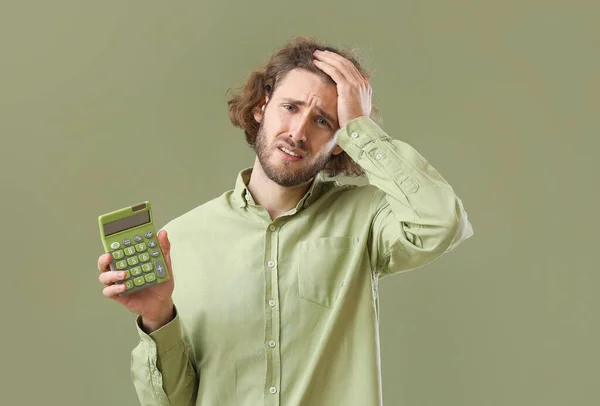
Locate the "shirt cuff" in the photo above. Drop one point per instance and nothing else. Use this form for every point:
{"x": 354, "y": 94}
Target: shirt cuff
{"x": 165, "y": 338}
{"x": 358, "y": 133}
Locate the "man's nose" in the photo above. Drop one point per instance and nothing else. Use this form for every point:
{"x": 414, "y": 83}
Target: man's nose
{"x": 299, "y": 129}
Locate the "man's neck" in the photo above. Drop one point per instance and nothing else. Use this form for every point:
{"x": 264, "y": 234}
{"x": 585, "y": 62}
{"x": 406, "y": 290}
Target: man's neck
{"x": 274, "y": 198}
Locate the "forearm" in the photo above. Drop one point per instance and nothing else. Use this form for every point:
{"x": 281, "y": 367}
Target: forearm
{"x": 417, "y": 215}
{"x": 161, "y": 368}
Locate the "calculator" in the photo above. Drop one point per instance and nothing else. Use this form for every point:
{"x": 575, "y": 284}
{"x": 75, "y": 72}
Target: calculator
{"x": 129, "y": 236}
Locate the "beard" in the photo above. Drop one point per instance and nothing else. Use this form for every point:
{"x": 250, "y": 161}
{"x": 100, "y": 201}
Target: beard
{"x": 288, "y": 173}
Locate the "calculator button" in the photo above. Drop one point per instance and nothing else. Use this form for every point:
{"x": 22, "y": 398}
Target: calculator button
{"x": 151, "y": 244}
{"x": 149, "y": 234}
{"x": 150, "y": 277}
{"x": 161, "y": 271}
{"x": 132, "y": 261}
{"x": 137, "y": 238}
{"x": 140, "y": 247}
{"x": 115, "y": 245}
{"x": 117, "y": 254}
{"x": 129, "y": 250}
{"x": 139, "y": 281}
{"x": 127, "y": 274}
{"x": 126, "y": 242}
{"x": 135, "y": 271}
{"x": 121, "y": 264}
{"x": 146, "y": 267}
{"x": 144, "y": 257}
{"x": 129, "y": 284}
{"x": 155, "y": 254}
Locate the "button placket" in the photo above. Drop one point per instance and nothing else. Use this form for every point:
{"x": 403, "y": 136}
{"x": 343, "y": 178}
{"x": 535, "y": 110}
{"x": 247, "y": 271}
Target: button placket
{"x": 272, "y": 314}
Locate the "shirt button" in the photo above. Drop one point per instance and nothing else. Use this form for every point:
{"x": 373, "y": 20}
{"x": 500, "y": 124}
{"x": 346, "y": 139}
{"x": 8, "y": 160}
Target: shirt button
{"x": 272, "y": 228}
{"x": 271, "y": 264}
{"x": 155, "y": 372}
{"x": 273, "y": 389}
{"x": 354, "y": 134}
{"x": 272, "y": 344}
{"x": 271, "y": 303}
{"x": 378, "y": 156}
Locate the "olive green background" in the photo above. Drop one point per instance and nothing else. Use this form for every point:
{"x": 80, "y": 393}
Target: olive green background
{"x": 105, "y": 104}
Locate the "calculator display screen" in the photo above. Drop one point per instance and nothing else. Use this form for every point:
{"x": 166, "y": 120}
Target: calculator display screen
{"x": 126, "y": 223}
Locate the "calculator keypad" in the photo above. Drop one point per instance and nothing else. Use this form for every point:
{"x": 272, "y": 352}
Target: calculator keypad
{"x": 138, "y": 257}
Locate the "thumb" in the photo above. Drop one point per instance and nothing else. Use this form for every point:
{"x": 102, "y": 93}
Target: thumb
{"x": 165, "y": 246}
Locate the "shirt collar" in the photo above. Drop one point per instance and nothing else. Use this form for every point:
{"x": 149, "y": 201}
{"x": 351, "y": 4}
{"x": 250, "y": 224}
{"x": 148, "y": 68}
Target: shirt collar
{"x": 243, "y": 196}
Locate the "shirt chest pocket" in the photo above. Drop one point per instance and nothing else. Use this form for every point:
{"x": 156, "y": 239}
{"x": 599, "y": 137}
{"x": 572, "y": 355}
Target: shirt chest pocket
{"x": 323, "y": 266}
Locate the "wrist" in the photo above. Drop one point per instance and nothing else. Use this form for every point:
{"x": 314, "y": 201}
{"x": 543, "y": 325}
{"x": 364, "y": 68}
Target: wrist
{"x": 156, "y": 321}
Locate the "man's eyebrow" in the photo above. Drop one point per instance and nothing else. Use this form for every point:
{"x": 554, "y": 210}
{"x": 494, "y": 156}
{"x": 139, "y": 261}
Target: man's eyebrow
{"x": 322, "y": 112}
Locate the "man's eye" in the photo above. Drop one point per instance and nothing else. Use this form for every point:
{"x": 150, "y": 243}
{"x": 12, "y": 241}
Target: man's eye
{"x": 291, "y": 108}
{"x": 322, "y": 121}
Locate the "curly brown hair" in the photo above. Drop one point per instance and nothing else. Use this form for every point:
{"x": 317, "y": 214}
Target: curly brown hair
{"x": 262, "y": 82}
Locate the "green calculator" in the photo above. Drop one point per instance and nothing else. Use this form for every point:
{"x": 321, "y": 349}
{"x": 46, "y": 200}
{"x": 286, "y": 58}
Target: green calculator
{"x": 129, "y": 236}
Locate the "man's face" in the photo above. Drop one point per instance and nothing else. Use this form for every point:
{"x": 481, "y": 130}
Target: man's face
{"x": 297, "y": 129}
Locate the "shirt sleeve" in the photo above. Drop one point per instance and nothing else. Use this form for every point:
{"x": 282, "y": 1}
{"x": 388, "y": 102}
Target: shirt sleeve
{"x": 161, "y": 369}
{"x": 416, "y": 216}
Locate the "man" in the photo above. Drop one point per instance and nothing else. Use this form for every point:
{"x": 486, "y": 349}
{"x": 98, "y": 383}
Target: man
{"x": 273, "y": 298}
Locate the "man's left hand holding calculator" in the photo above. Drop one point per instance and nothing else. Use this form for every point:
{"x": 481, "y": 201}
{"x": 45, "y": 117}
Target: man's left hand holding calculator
{"x": 153, "y": 302}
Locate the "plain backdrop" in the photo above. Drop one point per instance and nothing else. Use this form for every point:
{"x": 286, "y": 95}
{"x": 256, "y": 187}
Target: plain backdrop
{"x": 106, "y": 104}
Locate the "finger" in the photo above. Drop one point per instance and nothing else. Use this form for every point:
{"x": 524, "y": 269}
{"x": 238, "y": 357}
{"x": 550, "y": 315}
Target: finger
{"x": 110, "y": 277}
{"x": 163, "y": 241}
{"x": 331, "y": 70}
{"x": 349, "y": 77}
{"x": 349, "y": 65}
{"x": 345, "y": 66}
{"x": 165, "y": 246}
{"x": 113, "y": 290}
{"x": 104, "y": 262}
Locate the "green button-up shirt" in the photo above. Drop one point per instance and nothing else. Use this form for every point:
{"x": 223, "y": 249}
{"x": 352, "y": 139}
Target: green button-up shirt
{"x": 285, "y": 311}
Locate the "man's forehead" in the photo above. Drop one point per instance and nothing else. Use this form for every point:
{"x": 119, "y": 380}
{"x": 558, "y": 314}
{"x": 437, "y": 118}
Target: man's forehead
{"x": 303, "y": 79}
{"x": 308, "y": 89}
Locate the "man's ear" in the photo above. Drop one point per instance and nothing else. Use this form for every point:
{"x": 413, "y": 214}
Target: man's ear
{"x": 259, "y": 112}
{"x": 337, "y": 150}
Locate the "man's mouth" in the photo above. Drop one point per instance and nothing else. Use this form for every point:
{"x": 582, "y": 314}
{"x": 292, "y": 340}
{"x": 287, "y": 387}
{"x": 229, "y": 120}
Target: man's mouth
{"x": 289, "y": 154}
